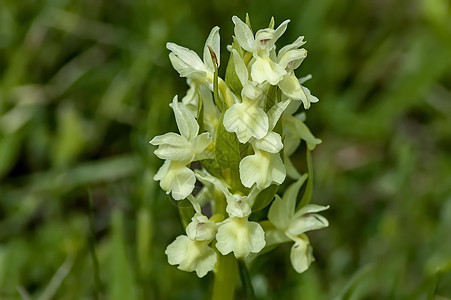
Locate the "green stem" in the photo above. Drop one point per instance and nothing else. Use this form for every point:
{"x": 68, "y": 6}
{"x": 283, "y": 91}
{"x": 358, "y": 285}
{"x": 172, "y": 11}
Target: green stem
{"x": 246, "y": 280}
{"x": 225, "y": 278}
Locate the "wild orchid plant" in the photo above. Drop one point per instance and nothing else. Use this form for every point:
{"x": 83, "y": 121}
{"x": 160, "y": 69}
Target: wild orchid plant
{"x": 242, "y": 132}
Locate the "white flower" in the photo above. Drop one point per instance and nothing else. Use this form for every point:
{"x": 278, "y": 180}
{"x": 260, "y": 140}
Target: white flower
{"x": 188, "y": 63}
{"x": 191, "y": 99}
{"x": 192, "y": 252}
{"x": 179, "y": 150}
{"x": 176, "y": 178}
{"x": 182, "y": 147}
{"x": 247, "y": 119}
{"x": 262, "y": 168}
{"x": 191, "y": 255}
{"x": 291, "y": 87}
{"x": 240, "y": 236}
{"x": 263, "y": 68}
{"x": 294, "y": 224}
{"x": 236, "y": 234}
{"x": 238, "y": 206}
{"x": 301, "y": 254}
{"x": 290, "y": 58}
{"x": 295, "y": 130}
{"x": 265, "y": 166}
{"x": 201, "y": 229}
{"x": 272, "y": 141}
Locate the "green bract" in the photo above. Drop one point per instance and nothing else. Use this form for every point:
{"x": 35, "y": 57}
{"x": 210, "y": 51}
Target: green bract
{"x": 242, "y": 131}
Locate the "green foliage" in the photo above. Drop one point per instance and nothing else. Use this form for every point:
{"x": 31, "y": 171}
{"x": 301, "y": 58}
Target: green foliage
{"x": 84, "y": 85}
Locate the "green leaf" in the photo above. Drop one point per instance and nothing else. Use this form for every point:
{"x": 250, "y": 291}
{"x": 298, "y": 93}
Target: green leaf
{"x": 272, "y": 97}
{"x": 231, "y": 78}
{"x": 212, "y": 167}
{"x": 248, "y": 22}
{"x": 271, "y": 23}
{"x": 309, "y": 187}
{"x": 265, "y": 197}
{"x": 200, "y": 111}
{"x": 245, "y": 150}
{"x": 227, "y": 151}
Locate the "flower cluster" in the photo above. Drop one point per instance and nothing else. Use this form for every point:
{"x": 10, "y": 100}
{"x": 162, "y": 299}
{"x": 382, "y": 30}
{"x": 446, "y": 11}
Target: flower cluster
{"x": 242, "y": 130}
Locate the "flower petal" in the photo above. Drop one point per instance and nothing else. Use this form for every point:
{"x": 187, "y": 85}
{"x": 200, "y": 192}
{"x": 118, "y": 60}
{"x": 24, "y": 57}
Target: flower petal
{"x": 240, "y": 68}
{"x": 293, "y": 59}
{"x": 191, "y": 255}
{"x": 262, "y": 168}
{"x": 246, "y": 120}
{"x": 186, "y": 70}
{"x": 296, "y": 44}
{"x": 291, "y": 194}
{"x": 204, "y": 177}
{"x": 301, "y": 255}
{"x": 169, "y": 138}
{"x": 275, "y": 112}
{"x": 189, "y": 57}
{"x": 278, "y": 214}
{"x": 311, "y": 208}
{"x": 238, "y": 206}
{"x": 264, "y": 69}
{"x": 201, "y": 229}
{"x": 243, "y": 34}
{"x": 240, "y": 236}
{"x": 177, "y": 153}
{"x": 298, "y": 129}
{"x": 191, "y": 99}
{"x": 213, "y": 41}
{"x": 307, "y": 223}
{"x": 273, "y": 237}
{"x": 201, "y": 142}
{"x": 186, "y": 122}
{"x": 272, "y": 142}
{"x": 175, "y": 177}
{"x": 280, "y": 30}
{"x": 291, "y": 87}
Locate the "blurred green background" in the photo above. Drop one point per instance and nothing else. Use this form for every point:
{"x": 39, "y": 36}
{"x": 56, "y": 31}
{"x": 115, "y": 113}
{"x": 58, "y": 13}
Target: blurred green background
{"x": 84, "y": 85}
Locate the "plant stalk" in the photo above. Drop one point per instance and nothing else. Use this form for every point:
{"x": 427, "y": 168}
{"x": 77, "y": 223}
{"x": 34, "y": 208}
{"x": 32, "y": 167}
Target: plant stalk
{"x": 225, "y": 278}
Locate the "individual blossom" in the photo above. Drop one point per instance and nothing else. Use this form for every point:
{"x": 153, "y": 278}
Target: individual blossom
{"x": 192, "y": 252}
{"x": 189, "y": 64}
{"x": 295, "y": 131}
{"x": 176, "y": 178}
{"x": 265, "y": 166}
{"x": 199, "y": 94}
{"x": 291, "y": 58}
{"x": 292, "y": 225}
{"x": 237, "y": 234}
{"x": 264, "y": 68}
{"x": 247, "y": 119}
{"x": 180, "y": 150}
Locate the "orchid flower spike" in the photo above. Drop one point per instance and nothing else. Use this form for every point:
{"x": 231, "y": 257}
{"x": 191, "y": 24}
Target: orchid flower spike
{"x": 232, "y": 152}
